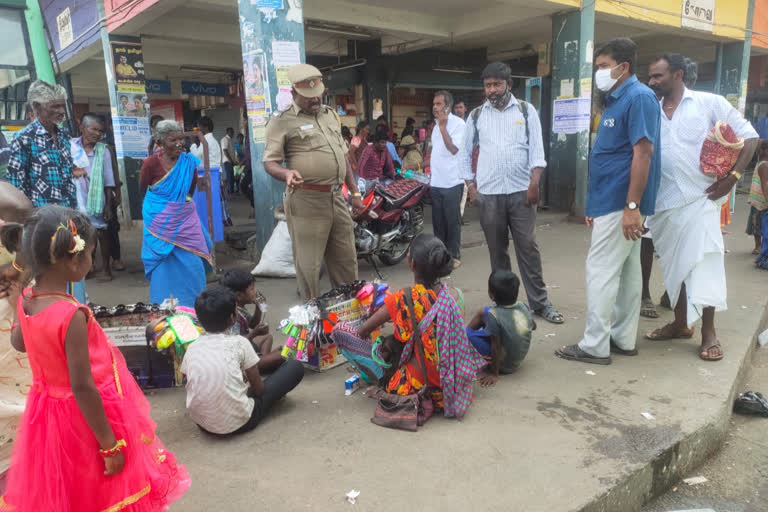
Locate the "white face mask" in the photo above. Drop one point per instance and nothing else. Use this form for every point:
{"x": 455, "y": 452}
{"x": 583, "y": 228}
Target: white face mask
{"x": 603, "y": 79}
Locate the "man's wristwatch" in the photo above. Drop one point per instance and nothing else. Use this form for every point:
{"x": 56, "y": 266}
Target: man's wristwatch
{"x": 632, "y": 205}
{"x": 357, "y": 194}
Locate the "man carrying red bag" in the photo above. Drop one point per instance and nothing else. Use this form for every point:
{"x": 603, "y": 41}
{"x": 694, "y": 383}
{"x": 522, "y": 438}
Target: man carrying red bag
{"x": 701, "y": 161}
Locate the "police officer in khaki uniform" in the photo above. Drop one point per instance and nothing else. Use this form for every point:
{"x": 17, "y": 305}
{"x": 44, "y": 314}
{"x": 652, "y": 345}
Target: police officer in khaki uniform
{"x": 307, "y": 137}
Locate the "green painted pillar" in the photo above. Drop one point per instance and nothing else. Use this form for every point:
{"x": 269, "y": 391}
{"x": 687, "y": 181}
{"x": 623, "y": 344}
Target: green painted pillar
{"x": 732, "y": 65}
{"x": 572, "y": 53}
{"x": 272, "y": 38}
{"x": 38, "y": 43}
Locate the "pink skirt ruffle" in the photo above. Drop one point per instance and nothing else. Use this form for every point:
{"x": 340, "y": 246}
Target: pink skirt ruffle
{"x": 56, "y": 466}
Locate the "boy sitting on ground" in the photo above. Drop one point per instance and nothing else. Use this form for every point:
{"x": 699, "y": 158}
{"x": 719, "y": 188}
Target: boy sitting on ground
{"x": 502, "y": 333}
{"x": 219, "y": 400}
{"x": 250, "y": 326}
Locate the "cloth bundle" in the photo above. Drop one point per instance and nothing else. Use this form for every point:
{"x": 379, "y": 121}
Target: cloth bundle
{"x": 720, "y": 151}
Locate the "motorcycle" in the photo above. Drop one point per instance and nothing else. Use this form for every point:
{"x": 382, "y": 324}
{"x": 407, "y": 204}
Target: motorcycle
{"x": 392, "y": 216}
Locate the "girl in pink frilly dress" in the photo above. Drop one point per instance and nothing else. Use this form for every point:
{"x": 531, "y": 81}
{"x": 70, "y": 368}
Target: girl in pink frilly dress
{"x": 86, "y": 442}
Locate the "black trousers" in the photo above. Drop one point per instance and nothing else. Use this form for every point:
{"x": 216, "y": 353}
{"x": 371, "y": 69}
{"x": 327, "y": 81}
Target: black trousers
{"x": 501, "y": 215}
{"x": 446, "y": 217}
{"x": 230, "y": 176}
{"x": 113, "y": 235}
{"x": 276, "y": 386}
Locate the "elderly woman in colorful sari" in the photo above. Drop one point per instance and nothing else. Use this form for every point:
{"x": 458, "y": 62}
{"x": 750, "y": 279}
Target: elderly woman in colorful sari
{"x": 176, "y": 249}
{"x": 451, "y": 361}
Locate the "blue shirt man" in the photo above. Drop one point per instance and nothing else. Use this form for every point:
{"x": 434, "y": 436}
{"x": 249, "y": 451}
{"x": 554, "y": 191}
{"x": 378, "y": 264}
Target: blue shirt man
{"x": 624, "y": 177}
{"x": 632, "y": 113}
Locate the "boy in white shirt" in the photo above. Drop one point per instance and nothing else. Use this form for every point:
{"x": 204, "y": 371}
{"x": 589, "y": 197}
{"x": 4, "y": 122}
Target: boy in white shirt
{"x": 219, "y": 399}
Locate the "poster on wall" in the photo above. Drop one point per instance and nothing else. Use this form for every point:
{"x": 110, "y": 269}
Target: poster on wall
{"x": 257, "y": 96}
{"x": 128, "y": 61}
{"x": 131, "y": 117}
{"x": 284, "y": 55}
{"x": 132, "y": 136}
{"x": 571, "y": 115}
{"x": 698, "y": 14}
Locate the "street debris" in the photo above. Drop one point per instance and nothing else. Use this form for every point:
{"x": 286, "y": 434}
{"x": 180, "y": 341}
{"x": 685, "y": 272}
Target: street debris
{"x": 695, "y": 480}
{"x": 352, "y": 496}
{"x": 763, "y": 338}
{"x": 315, "y": 402}
{"x": 590, "y": 372}
{"x": 751, "y": 402}
{"x": 648, "y": 416}
{"x": 550, "y": 335}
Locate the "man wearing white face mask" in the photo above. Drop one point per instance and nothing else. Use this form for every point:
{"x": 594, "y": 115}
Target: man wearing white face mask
{"x": 624, "y": 177}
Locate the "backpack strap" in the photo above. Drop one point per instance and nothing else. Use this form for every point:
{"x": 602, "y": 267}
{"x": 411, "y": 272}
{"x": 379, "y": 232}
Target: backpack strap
{"x": 475, "y": 115}
{"x": 524, "y": 110}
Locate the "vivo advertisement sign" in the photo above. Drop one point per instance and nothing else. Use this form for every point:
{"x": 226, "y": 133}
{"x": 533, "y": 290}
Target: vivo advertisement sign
{"x": 158, "y": 86}
{"x": 203, "y": 89}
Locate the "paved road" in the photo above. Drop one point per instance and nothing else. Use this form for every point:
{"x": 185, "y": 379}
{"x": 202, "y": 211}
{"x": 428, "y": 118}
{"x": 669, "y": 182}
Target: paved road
{"x": 738, "y": 475}
{"x": 549, "y": 438}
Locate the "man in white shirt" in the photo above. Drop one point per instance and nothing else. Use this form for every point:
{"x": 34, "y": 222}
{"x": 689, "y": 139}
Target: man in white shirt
{"x": 205, "y": 125}
{"x": 229, "y": 158}
{"x": 225, "y": 392}
{"x": 686, "y": 225}
{"x": 447, "y": 185}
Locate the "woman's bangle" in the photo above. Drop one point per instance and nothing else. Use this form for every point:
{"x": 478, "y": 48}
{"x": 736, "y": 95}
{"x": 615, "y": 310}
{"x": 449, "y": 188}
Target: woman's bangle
{"x": 737, "y": 174}
{"x": 17, "y": 267}
{"x": 114, "y": 450}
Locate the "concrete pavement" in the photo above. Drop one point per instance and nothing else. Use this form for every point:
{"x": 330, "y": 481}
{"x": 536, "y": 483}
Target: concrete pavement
{"x": 549, "y": 438}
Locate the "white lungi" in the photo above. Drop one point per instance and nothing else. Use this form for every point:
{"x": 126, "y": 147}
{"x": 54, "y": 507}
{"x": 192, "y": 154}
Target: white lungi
{"x": 690, "y": 246}
{"x": 614, "y": 287}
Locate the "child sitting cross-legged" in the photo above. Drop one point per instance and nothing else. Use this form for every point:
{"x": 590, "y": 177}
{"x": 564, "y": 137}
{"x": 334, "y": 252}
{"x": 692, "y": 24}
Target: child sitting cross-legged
{"x": 251, "y": 326}
{"x": 219, "y": 399}
{"x": 502, "y": 333}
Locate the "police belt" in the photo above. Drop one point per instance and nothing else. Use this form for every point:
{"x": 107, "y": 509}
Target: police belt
{"x": 319, "y": 188}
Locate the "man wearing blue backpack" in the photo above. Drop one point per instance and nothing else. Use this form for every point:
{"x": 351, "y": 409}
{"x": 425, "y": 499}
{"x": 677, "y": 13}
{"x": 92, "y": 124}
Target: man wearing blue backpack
{"x": 506, "y": 187}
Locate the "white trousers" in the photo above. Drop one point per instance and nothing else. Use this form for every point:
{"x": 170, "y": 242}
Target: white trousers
{"x": 614, "y": 287}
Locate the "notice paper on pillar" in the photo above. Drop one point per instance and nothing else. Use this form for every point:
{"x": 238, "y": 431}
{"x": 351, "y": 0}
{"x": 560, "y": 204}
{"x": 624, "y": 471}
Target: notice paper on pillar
{"x": 128, "y": 59}
{"x": 268, "y": 8}
{"x": 132, "y": 136}
{"x": 257, "y": 96}
{"x": 571, "y": 115}
{"x": 284, "y": 55}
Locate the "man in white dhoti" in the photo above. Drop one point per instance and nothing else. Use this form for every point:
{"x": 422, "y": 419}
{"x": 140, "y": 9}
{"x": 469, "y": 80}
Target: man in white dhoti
{"x": 686, "y": 225}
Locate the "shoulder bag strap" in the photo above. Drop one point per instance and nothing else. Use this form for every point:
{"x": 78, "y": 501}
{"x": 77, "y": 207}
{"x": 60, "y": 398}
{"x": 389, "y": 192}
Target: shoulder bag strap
{"x": 416, "y": 331}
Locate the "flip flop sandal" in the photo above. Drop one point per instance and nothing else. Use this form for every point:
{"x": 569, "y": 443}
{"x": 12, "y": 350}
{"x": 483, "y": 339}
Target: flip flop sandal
{"x": 664, "y": 301}
{"x": 707, "y": 357}
{"x": 550, "y": 314}
{"x": 648, "y": 309}
{"x": 663, "y": 334}
{"x": 574, "y": 353}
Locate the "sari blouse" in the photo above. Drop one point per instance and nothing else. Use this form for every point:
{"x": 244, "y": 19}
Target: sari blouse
{"x": 152, "y": 171}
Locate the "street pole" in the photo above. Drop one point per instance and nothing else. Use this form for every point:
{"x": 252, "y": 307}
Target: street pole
{"x": 272, "y": 39}
{"x": 38, "y": 43}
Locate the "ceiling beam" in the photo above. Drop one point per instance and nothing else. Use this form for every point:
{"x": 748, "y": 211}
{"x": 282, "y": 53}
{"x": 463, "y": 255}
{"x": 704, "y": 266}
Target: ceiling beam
{"x": 377, "y": 18}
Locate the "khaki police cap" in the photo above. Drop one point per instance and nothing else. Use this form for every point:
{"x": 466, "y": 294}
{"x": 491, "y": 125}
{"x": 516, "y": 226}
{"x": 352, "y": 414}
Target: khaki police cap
{"x": 307, "y": 80}
{"x": 407, "y": 141}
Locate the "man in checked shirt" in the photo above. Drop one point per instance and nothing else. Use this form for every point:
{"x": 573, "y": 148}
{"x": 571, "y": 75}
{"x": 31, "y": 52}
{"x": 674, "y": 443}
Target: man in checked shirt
{"x": 40, "y": 163}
